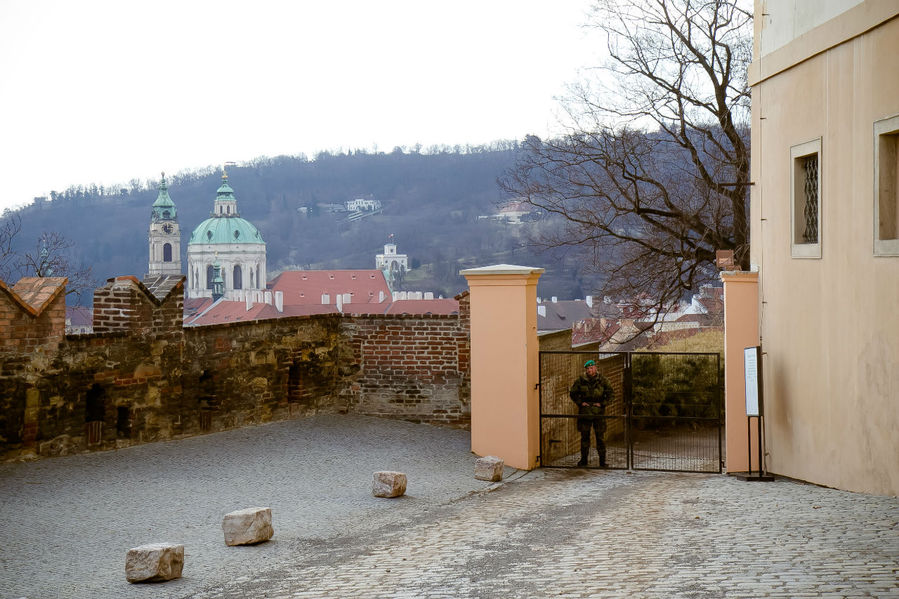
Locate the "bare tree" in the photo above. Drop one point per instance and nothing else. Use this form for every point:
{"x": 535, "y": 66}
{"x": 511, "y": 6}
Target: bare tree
{"x": 51, "y": 257}
{"x": 8, "y": 231}
{"x": 652, "y": 176}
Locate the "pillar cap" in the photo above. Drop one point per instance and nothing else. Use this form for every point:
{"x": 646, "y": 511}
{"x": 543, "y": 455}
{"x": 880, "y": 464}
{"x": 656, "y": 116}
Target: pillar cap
{"x": 502, "y": 269}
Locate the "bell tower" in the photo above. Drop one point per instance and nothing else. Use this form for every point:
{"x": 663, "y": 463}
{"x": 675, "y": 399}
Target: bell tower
{"x": 165, "y": 235}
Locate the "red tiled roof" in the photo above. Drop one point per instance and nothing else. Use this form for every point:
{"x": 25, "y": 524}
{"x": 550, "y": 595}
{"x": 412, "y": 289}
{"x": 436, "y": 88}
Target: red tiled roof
{"x": 228, "y": 311}
{"x": 33, "y": 294}
{"x": 308, "y": 286}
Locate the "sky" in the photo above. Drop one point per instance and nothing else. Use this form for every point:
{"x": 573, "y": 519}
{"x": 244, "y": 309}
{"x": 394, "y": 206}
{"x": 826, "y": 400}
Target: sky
{"x": 97, "y": 91}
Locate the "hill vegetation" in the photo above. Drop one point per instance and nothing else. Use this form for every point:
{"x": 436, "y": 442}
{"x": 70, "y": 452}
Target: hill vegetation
{"x": 430, "y": 203}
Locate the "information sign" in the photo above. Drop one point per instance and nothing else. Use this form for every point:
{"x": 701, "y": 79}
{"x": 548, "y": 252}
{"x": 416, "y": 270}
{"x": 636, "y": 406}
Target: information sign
{"x": 752, "y": 360}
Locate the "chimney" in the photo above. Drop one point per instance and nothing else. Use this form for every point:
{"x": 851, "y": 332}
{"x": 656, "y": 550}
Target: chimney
{"x": 541, "y": 311}
{"x": 589, "y": 300}
{"x": 326, "y": 299}
{"x": 555, "y": 299}
{"x": 339, "y": 302}
{"x": 279, "y": 301}
{"x": 249, "y": 302}
{"x": 380, "y": 297}
{"x": 268, "y": 298}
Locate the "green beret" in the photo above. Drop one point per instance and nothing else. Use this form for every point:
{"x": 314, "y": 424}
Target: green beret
{"x": 589, "y": 363}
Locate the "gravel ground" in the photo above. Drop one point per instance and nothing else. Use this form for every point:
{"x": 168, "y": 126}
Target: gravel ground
{"x": 67, "y": 523}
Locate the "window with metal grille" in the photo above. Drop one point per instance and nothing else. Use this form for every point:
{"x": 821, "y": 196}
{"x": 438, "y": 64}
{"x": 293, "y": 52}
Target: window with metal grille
{"x": 886, "y": 187}
{"x": 805, "y": 196}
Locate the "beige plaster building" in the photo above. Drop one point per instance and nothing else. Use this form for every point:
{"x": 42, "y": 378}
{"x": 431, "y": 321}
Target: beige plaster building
{"x": 825, "y": 238}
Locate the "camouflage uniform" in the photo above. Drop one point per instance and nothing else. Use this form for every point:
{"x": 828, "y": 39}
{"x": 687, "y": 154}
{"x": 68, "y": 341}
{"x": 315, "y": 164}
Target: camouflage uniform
{"x": 591, "y": 390}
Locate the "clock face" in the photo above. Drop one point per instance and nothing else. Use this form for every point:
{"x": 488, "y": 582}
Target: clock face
{"x": 167, "y": 228}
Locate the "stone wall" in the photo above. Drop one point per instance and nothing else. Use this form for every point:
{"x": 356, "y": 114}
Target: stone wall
{"x": 143, "y": 377}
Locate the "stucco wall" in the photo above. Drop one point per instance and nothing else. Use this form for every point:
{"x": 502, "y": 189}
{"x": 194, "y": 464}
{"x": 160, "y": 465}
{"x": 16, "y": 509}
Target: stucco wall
{"x": 829, "y": 325}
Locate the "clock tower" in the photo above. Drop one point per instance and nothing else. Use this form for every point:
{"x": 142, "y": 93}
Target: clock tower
{"x": 165, "y": 235}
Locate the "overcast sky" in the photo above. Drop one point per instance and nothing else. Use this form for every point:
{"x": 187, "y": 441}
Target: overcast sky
{"x": 106, "y": 91}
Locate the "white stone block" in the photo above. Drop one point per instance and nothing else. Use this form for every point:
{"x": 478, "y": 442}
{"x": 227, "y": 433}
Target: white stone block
{"x": 489, "y": 468}
{"x": 155, "y": 562}
{"x": 248, "y": 526}
{"x": 388, "y": 484}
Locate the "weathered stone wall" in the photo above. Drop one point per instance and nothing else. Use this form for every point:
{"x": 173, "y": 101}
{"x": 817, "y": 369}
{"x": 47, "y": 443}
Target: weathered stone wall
{"x": 145, "y": 378}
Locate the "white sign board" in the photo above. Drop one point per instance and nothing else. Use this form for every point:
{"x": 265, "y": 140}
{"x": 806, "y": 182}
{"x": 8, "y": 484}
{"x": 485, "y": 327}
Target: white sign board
{"x": 751, "y": 370}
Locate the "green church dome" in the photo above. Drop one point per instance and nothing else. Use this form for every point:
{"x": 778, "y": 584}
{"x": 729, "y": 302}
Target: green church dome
{"x": 225, "y": 229}
{"x": 225, "y": 225}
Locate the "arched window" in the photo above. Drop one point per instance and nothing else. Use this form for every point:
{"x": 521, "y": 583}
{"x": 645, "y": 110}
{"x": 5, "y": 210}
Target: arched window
{"x": 167, "y": 252}
{"x": 258, "y": 280}
{"x": 238, "y": 277}
{"x": 209, "y": 276}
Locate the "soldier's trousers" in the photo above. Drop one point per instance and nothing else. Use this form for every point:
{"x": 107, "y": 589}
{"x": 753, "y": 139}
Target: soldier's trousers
{"x": 598, "y": 425}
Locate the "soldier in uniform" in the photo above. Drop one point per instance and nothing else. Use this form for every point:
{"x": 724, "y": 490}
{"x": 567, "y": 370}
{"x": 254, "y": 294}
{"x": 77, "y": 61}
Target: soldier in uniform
{"x": 591, "y": 392}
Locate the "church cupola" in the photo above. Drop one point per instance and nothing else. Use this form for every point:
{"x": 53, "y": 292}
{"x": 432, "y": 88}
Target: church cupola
{"x": 165, "y": 235}
{"x": 225, "y": 202}
{"x": 164, "y": 207}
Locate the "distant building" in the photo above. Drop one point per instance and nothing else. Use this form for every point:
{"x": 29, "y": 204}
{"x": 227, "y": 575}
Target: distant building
{"x": 513, "y": 212}
{"x": 362, "y": 204}
{"x": 79, "y": 319}
{"x": 558, "y": 315}
{"x": 390, "y": 261}
{"x": 226, "y": 247}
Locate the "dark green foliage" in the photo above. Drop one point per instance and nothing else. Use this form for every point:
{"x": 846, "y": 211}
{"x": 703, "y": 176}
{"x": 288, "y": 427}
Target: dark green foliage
{"x": 669, "y": 386}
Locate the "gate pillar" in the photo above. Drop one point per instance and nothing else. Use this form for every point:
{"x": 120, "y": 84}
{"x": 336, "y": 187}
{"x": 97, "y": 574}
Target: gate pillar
{"x": 741, "y": 330}
{"x": 505, "y": 419}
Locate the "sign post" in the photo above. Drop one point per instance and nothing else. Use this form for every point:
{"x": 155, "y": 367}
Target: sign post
{"x": 752, "y": 372}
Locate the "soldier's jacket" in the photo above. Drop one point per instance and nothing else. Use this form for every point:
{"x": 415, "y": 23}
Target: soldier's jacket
{"x": 591, "y": 390}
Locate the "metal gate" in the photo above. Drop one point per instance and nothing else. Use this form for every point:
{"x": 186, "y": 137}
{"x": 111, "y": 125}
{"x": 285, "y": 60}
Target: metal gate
{"x": 665, "y": 415}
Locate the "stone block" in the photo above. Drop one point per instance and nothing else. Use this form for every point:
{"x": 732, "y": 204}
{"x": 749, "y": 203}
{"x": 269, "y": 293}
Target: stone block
{"x": 388, "y": 484}
{"x": 488, "y": 468}
{"x": 248, "y": 526}
{"x": 155, "y": 562}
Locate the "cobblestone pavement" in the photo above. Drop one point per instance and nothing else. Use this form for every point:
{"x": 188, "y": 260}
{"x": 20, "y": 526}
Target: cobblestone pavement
{"x": 548, "y": 533}
{"x": 578, "y": 533}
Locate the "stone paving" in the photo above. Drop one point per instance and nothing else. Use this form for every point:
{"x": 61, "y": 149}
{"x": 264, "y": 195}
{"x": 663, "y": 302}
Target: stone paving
{"x": 548, "y": 533}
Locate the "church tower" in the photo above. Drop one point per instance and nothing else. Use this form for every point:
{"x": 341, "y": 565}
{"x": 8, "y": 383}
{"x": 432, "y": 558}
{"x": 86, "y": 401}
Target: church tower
{"x": 165, "y": 235}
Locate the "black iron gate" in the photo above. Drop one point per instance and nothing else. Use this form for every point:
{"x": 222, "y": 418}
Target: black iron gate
{"x": 666, "y": 413}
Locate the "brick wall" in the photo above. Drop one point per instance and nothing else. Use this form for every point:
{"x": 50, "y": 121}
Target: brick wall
{"x": 410, "y": 367}
{"x": 142, "y": 377}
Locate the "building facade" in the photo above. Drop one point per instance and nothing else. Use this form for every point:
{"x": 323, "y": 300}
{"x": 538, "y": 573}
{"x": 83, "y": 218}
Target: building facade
{"x": 825, "y": 238}
{"x": 226, "y": 246}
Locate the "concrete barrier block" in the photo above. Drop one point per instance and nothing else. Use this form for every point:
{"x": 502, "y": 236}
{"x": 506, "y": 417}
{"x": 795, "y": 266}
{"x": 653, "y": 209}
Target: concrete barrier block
{"x": 155, "y": 562}
{"x": 489, "y": 468}
{"x": 388, "y": 484}
{"x": 248, "y": 526}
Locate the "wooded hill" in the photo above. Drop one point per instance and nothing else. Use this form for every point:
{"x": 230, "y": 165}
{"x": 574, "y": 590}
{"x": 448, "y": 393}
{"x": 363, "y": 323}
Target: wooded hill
{"x": 430, "y": 203}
